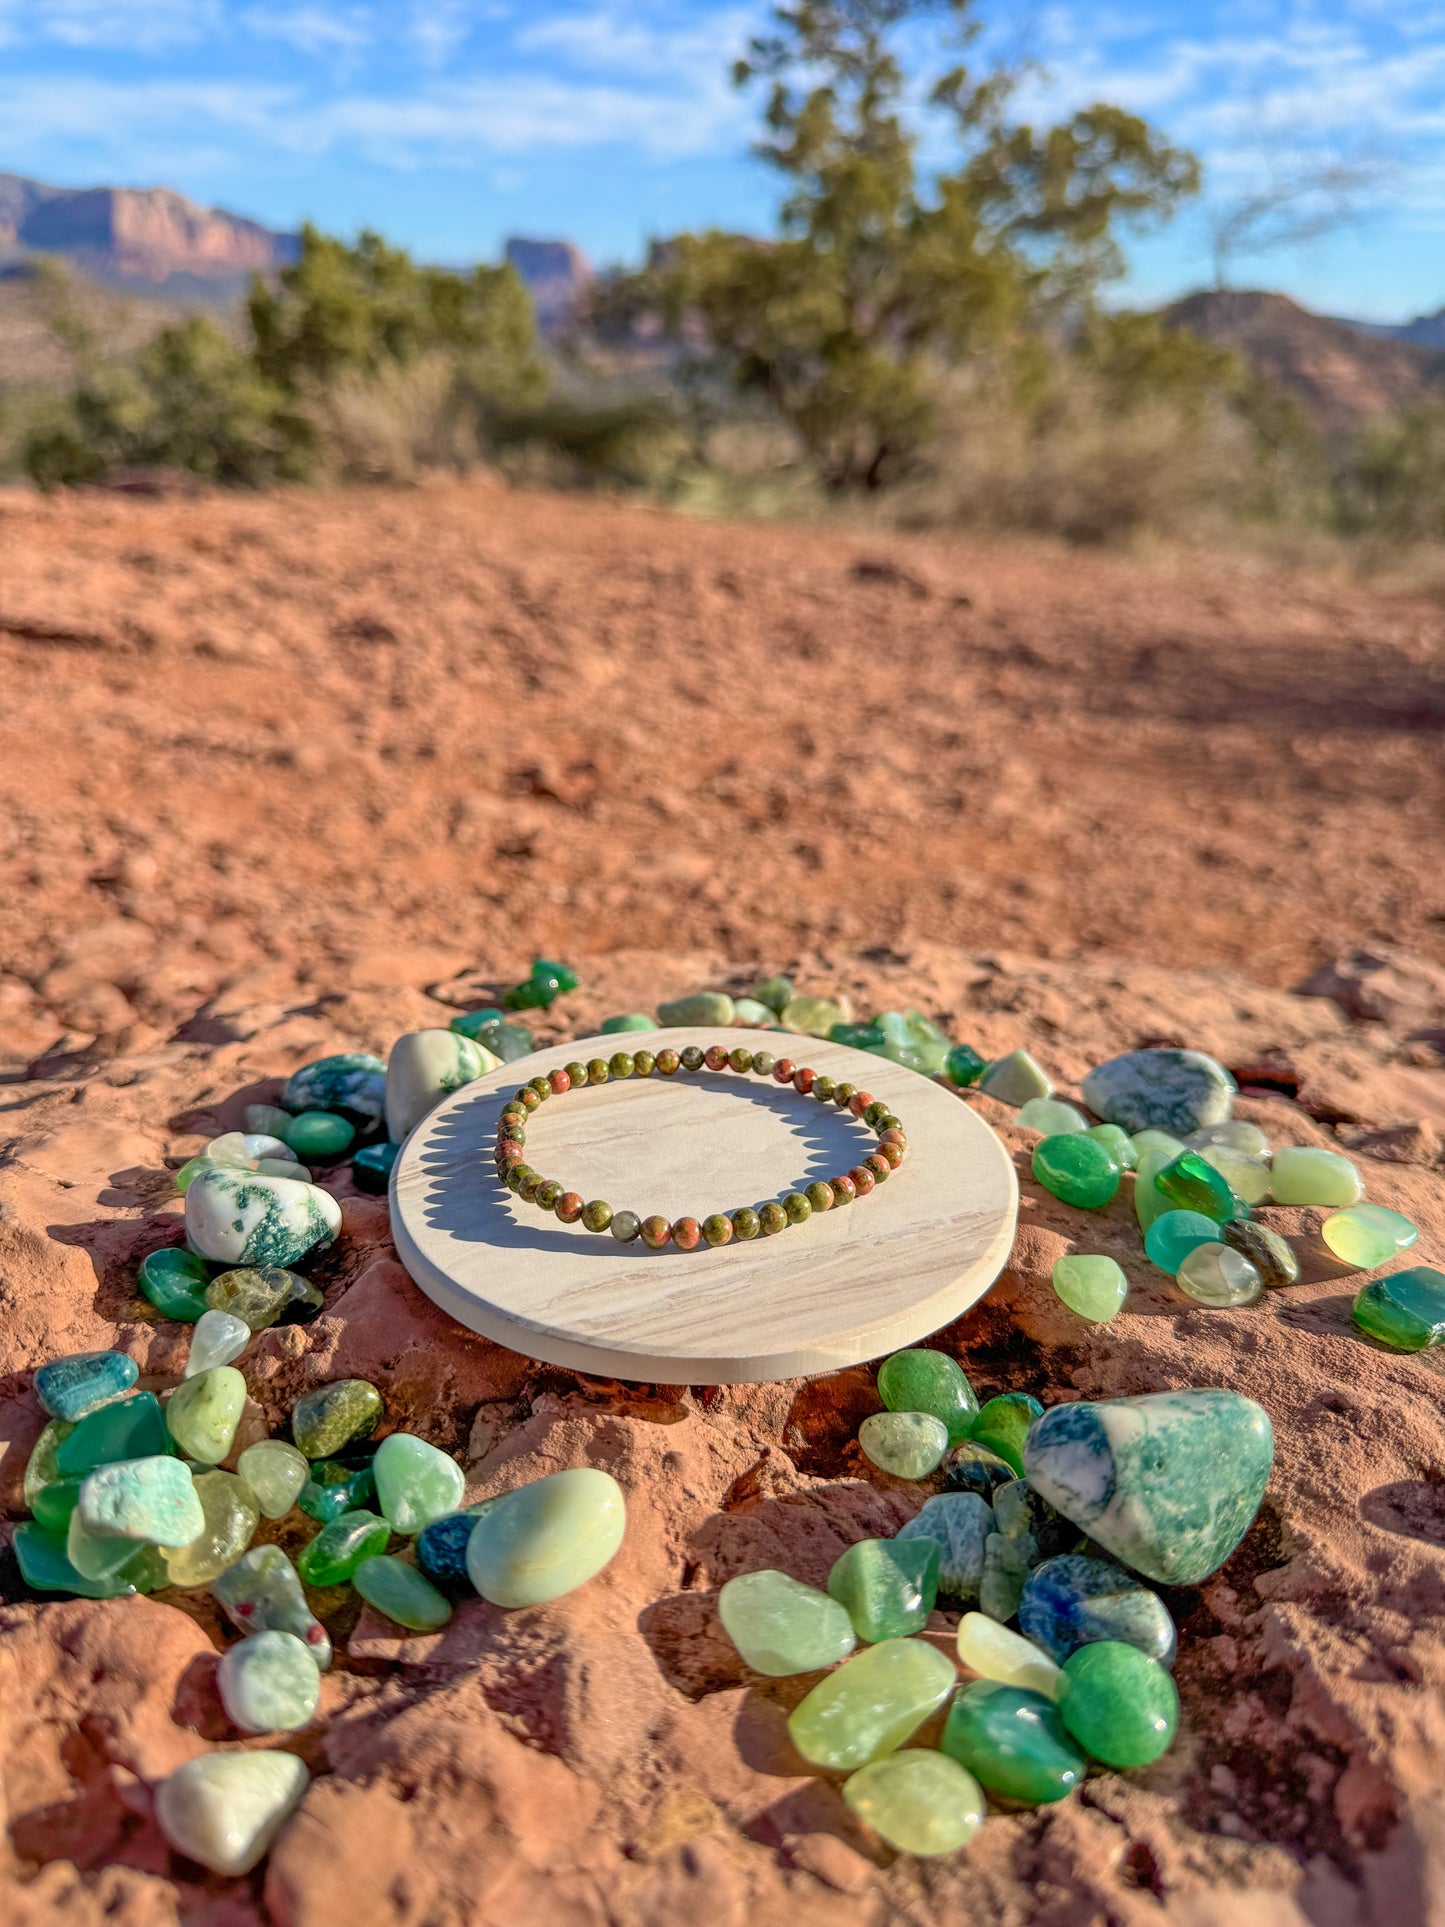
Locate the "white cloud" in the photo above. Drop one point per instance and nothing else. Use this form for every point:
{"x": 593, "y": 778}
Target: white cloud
{"x": 314, "y": 30}
{"x": 141, "y": 26}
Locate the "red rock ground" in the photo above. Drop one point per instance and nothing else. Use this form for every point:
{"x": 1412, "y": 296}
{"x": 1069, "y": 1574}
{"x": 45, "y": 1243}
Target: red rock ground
{"x": 293, "y": 774}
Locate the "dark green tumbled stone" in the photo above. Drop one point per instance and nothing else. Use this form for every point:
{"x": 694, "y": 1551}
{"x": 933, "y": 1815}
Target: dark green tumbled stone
{"x": 132, "y": 1428}
{"x": 371, "y": 1167}
{"x": 973, "y": 1468}
{"x": 963, "y": 1066}
{"x": 1013, "y": 1742}
{"x": 1077, "y": 1169}
{"x": 929, "y": 1381}
{"x": 1003, "y": 1425}
{"x": 334, "y": 1488}
{"x": 1192, "y": 1184}
{"x": 175, "y": 1281}
{"x": 471, "y": 1023}
{"x": 339, "y": 1548}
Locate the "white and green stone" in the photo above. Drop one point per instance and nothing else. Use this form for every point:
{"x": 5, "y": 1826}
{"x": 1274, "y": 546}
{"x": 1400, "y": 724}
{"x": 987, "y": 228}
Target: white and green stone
{"x": 909, "y": 1445}
{"x": 150, "y": 1499}
{"x": 276, "y": 1473}
{"x": 203, "y": 1412}
{"x": 1163, "y": 1090}
{"x": 1090, "y": 1284}
{"x": 1015, "y": 1079}
{"x": 918, "y": 1801}
{"x": 415, "y": 1483}
{"x": 216, "y": 1338}
{"x": 871, "y": 1704}
{"x": 547, "y": 1538}
{"x": 402, "y": 1593}
{"x": 353, "y": 1083}
{"x": 780, "y": 1626}
{"x": 225, "y": 1809}
{"x": 424, "y": 1067}
{"x": 244, "y": 1218}
{"x": 269, "y": 1683}
{"x": 1305, "y": 1174}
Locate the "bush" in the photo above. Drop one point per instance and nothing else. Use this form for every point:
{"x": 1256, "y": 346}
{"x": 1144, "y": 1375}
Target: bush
{"x": 1393, "y": 482}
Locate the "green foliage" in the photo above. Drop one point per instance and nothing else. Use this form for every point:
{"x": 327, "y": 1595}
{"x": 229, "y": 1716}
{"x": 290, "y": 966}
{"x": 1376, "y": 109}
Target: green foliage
{"x": 1394, "y": 485}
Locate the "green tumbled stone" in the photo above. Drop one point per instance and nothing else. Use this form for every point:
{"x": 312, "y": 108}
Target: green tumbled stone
{"x": 1090, "y": 1284}
{"x": 40, "y": 1468}
{"x": 1121, "y": 1706}
{"x": 1248, "y": 1177}
{"x": 371, "y": 1167}
{"x": 1165, "y": 1090}
{"x": 53, "y": 1504}
{"x": 1051, "y": 1117}
{"x": 1013, "y": 1742}
{"x": 225, "y": 1809}
{"x": 148, "y": 1499}
{"x": 1367, "y": 1235}
{"x": 72, "y": 1388}
{"x": 1006, "y": 1568}
{"x": 175, "y": 1281}
{"x": 811, "y": 1016}
{"x": 402, "y": 1593}
{"x": 1149, "y": 1201}
{"x": 335, "y": 1487}
{"x": 887, "y": 1586}
{"x": 276, "y": 1473}
{"x": 629, "y": 1020}
{"x": 775, "y": 992}
{"x": 1015, "y": 1079}
{"x": 1270, "y": 1254}
{"x": 325, "y": 1421}
{"x": 917, "y": 1801}
{"x": 1192, "y": 1185}
{"x": 1406, "y": 1309}
{"x": 995, "y": 1653}
{"x": 415, "y": 1482}
{"x": 1174, "y": 1234}
{"x": 132, "y": 1428}
{"x": 871, "y": 1704}
{"x": 906, "y": 1444}
{"x": 1213, "y": 1274}
{"x": 269, "y": 1683}
{"x": 264, "y": 1295}
{"x": 1233, "y": 1132}
{"x": 203, "y": 1413}
{"x": 1077, "y": 1169}
{"x": 265, "y": 1120}
{"x": 338, "y": 1549}
{"x": 1003, "y": 1425}
{"x": 218, "y": 1338}
{"x": 319, "y": 1137}
{"x": 1303, "y": 1174}
{"x": 707, "y": 1008}
{"x": 1165, "y": 1141}
{"x": 45, "y": 1566}
{"x": 547, "y": 1538}
{"x": 963, "y": 1066}
{"x": 232, "y": 1516}
{"x": 928, "y": 1381}
{"x": 98, "y": 1555}
{"x": 1117, "y": 1142}
{"x": 780, "y": 1626}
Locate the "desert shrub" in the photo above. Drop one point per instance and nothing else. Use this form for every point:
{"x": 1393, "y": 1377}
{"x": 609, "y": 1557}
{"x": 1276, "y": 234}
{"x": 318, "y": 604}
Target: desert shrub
{"x": 392, "y": 424}
{"x": 1391, "y": 484}
{"x": 637, "y": 441}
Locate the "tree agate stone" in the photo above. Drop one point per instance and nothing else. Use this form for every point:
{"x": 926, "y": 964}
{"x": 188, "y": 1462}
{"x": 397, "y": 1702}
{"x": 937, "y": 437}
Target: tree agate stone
{"x": 871, "y": 1704}
{"x": 265, "y": 1295}
{"x": 371, "y": 1167}
{"x": 547, "y": 1538}
{"x": 932, "y": 1382}
{"x": 1367, "y": 1235}
{"x": 415, "y": 1483}
{"x": 319, "y": 1137}
{"x": 993, "y": 1652}
{"x": 887, "y": 1586}
{"x": 1405, "y": 1309}
{"x": 1168, "y": 1482}
{"x": 72, "y": 1388}
{"x": 1192, "y": 1185}
{"x": 972, "y": 1468}
{"x": 1271, "y": 1255}
{"x": 1117, "y": 1142}
{"x": 132, "y": 1428}
{"x": 244, "y": 1218}
{"x": 269, "y": 1683}
{"x": 424, "y": 1067}
{"x": 338, "y": 1549}
{"x": 1003, "y": 1424}
{"x": 232, "y": 1516}
{"x": 1091, "y": 1285}
{"x": 202, "y": 1413}
{"x": 917, "y": 1801}
{"x": 259, "y": 1592}
{"x": 963, "y": 1066}
{"x": 780, "y": 1626}
{"x": 441, "y": 1547}
{"x": 225, "y": 1809}
{"x": 45, "y": 1566}
{"x": 707, "y": 1009}
{"x": 353, "y": 1083}
{"x": 960, "y": 1523}
{"x": 217, "y": 1339}
{"x": 1171, "y": 1238}
{"x": 1120, "y": 1705}
{"x": 1220, "y": 1276}
{"x": 402, "y": 1593}
{"x": 175, "y": 1282}
{"x": 149, "y": 1499}
{"x": 1163, "y": 1090}
{"x": 1013, "y": 1742}
{"x": 1247, "y": 1177}
{"x": 1026, "y": 1517}
{"x": 336, "y": 1486}
{"x": 276, "y": 1473}
{"x": 326, "y": 1420}
{"x": 1303, "y": 1174}
{"x": 1072, "y": 1601}
{"x": 1015, "y": 1079}
{"x": 908, "y": 1445}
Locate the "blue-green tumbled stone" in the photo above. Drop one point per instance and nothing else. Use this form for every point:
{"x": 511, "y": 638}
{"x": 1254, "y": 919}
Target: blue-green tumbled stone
{"x": 1164, "y": 1090}
{"x": 402, "y": 1593}
{"x": 353, "y": 1083}
{"x": 371, "y": 1167}
{"x": 71, "y": 1388}
{"x": 1013, "y": 1742}
{"x": 1072, "y": 1601}
{"x": 175, "y": 1282}
{"x": 1077, "y": 1169}
{"x": 1406, "y": 1309}
{"x": 1120, "y": 1705}
{"x": 441, "y": 1548}
{"x": 1191, "y": 1183}
{"x": 45, "y": 1566}
{"x": 1003, "y": 1424}
{"x": 149, "y": 1499}
{"x": 887, "y": 1586}
{"x": 1174, "y": 1234}
{"x": 334, "y": 1488}
{"x": 132, "y": 1428}
{"x": 928, "y": 1381}
{"x": 1168, "y": 1482}
{"x": 959, "y": 1523}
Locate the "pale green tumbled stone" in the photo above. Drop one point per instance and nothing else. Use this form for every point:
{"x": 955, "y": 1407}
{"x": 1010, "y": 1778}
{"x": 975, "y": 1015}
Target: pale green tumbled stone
{"x": 225, "y": 1809}
{"x": 232, "y": 1516}
{"x": 780, "y": 1626}
{"x": 871, "y": 1704}
{"x": 1118, "y": 1143}
{"x": 994, "y": 1652}
{"x": 202, "y": 1414}
{"x": 424, "y": 1067}
{"x": 245, "y": 1218}
{"x": 269, "y": 1683}
{"x": 1235, "y": 1132}
{"x": 402, "y": 1593}
{"x": 811, "y": 1016}
{"x": 275, "y": 1472}
{"x": 709, "y": 1008}
{"x": 218, "y": 1337}
{"x": 1247, "y": 1176}
{"x": 1051, "y": 1116}
{"x": 415, "y": 1483}
{"x": 1149, "y": 1201}
{"x": 547, "y": 1538}
{"x": 150, "y": 1499}
{"x": 1304, "y": 1174}
{"x": 97, "y": 1555}
{"x": 918, "y": 1801}
{"x": 1219, "y": 1275}
{"x": 909, "y": 1445}
{"x": 1090, "y": 1284}
{"x": 267, "y": 1120}
{"x": 748, "y": 1012}
{"x": 1151, "y": 1140}
{"x": 1015, "y": 1079}
{"x": 1366, "y": 1235}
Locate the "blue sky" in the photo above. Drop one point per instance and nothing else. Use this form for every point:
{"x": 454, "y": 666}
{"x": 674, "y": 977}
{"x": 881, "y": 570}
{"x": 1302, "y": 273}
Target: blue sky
{"x": 449, "y": 124}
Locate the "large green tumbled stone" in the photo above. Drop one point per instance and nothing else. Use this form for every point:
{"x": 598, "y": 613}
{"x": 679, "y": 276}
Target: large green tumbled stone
{"x": 202, "y": 1414}
{"x": 1172, "y": 1236}
{"x": 45, "y": 1566}
{"x": 175, "y": 1281}
{"x": 918, "y": 1801}
{"x": 339, "y": 1548}
{"x": 424, "y": 1067}
{"x": 1367, "y": 1235}
{"x": 1164, "y": 1090}
{"x": 887, "y": 1586}
{"x": 244, "y": 1218}
{"x": 232, "y": 1516}
{"x": 415, "y": 1483}
{"x": 1305, "y": 1174}
{"x": 1090, "y": 1284}
{"x": 402, "y": 1593}
{"x": 1168, "y": 1482}
{"x": 1013, "y": 1742}
{"x": 276, "y": 1473}
{"x": 132, "y": 1428}
{"x": 907, "y": 1445}
{"x": 708, "y": 1009}
{"x": 871, "y": 1704}
{"x": 149, "y": 1499}
{"x": 1405, "y": 1310}
{"x": 1121, "y": 1706}
{"x": 547, "y": 1538}
{"x": 928, "y": 1381}
{"x": 1015, "y": 1079}
{"x": 325, "y": 1421}
{"x": 780, "y": 1626}
{"x": 1191, "y": 1184}
{"x": 1003, "y": 1424}
{"x": 225, "y": 1809}
{"x": 269, "y": 1683}
{"x": 1077, "y": 1169}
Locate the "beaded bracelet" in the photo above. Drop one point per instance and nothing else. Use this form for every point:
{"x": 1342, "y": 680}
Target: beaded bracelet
{"x": 721, "y": 1227}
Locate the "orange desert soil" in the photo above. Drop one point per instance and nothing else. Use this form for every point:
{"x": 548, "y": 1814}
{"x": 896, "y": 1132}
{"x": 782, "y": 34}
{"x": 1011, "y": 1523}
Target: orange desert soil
{"x": 286, "y": 775}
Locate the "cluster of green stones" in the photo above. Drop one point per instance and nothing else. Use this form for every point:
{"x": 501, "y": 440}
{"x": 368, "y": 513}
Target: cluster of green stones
{"x": 718, "y": 1227}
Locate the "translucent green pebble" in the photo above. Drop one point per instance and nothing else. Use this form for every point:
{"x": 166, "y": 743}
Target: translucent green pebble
{"x": 1171, "y": 1238}
{"x": 1090, "y": 1284}
{"x": 1052, "y": 1117}
{"x": 371, "y": 1167}
{"x": 1191, "y": 1184}
{"x": 45, "y": 1566}
{"x": 1077, "y": 1169}
{"x": 402, "y": 1593}
{"x": 928, "y": 1381}
{"x": 415, "y": 1482}
{"x": 175, "y": 1282}
{"x": 1117, "y": 1142}
{"x": 1149, "y": 1201}
{"x": 1406, "y": 1309}
{"x": 202, "y": 1413}
{"x": 1015, "y": 1079}
{"x": 906, "y": 1444}
{"x": 276, "y": 1473}
{"x": 963, "y": 1066}
{"x": 871, "y": 1704}
{"x": 1214, "y": 1274}
{"x": 1151, "y": 1140}
{"x": 54, "y": 1503}
{"x": 339, "y": 1548}
{"x": 918, "y": 1801}
{"x": 40, "y": 1468}
{"x": 1118, "y": 1703}
{"x": 1304, "y": 1174}
{"x": 1246, "y": 1175}
{"x": 232, "y": 1516}
{"x": 1233, "y": 1132}
{"x": 264, "y": 1295}
{"x": 1366, "y": 1235}
{"x": 887, "y": 1586}
{"x": 97, "y": 1555}
{"x": 327, "y": 1420}
{"x": 132, "y": 1428}
{"x": 336, "y": 1486}
{"x": 1003, "y": 1425}
{"x": 1013, "y": 1742}
{"x": 217, "y": 1339}
{"x": 780, "y": 1626}
{"x": 548, "y": 1537}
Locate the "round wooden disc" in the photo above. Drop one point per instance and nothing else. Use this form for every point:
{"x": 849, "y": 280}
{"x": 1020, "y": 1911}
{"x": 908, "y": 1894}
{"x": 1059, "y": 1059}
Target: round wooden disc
{"x": 850, "y": 1284}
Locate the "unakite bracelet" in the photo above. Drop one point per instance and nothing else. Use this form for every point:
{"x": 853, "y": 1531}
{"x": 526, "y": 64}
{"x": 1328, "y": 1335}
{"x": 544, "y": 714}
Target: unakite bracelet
{"x": 720, "y": 1227}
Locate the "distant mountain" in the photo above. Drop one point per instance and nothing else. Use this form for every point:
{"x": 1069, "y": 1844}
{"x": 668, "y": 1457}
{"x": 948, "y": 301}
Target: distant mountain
{"x": 556, "y": 276}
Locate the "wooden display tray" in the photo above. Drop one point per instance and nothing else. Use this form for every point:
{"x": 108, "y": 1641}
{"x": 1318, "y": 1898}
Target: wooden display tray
{"x": 850, "y": 1284}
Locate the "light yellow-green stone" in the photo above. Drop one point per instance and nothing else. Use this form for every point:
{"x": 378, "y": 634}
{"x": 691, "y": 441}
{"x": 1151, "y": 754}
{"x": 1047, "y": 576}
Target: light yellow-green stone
{"x": 225, "y": 1809}
{"x": 96, "y": 1555}
{"x": 919, "y": 1802}
{"x": 1157, "y": 1141}
{"x": 994, "y": 1652}
{"x": 1366, "y": 1235}
{"x": 275, "y": 1472}
{"x": 415, "y": 1482}
{"x": 232, "y": 1516}
{"x": 203, "y": 1413}
{"x": 1051, "y": 1116}
{"x": 780, "y": 1626}
{"x": 871, "y": 1704}
{"x": 1246, "y": 1175}
{"x": 1305, "y": 1174}
{"x": 1235, "y": 1132}
{"x": 907, "y": 1444}
{"x": 1218, "y": 1275}
{"x": 547, "y": 1538}
{"x": 1091, "y": 1284}
{"x": 269, "y": 1683}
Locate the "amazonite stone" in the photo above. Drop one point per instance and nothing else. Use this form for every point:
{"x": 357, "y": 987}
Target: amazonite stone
{"x": 402, "y": 1593}
{"x": 244, "y": 1218}
{"x": 908, "y": 1445}
{"x": 150, "y": 1499}
{"x": 1168, "y": 1482}
{"x": 132, "y": 1428}
{"x": 994, "y": 1652}
{"x": 960, "y": 1523}
{"x": 1220, "y": 1276}
{"x": 1091, "y": 1285}
{"x": 1303, "y": 1174}
{"x": 1191, "y": 1184}
{"x": 1120, "y": 1705}
{"x": 175, "y": 1282}
{"x": 1013, "y": 1742}
{"x": 415, "y": 1483}
{"x": 225, "y": 1809}
{"x": 275, "y": 1472}
{"x": 1164, "y": 1090}
{"x": 887, "y": 1586}
{"x": 1015, "y": 1079}
{"x": 1003, "y": 1424}
{"x": 1234, "y": 1133}
{"x": 1174, "y": 1234}
{"x": 424, "y": 1067}
{"x": 709, "y": 1008}
{"x": 917, "y": 1801}
{"x": 1051, "y": 1117}
{"x": 1072, "y": 1601}
{"x": 325, "y": 1421}
{"x": 1406, "y": 1309}
{"x": 338, "y": 1549}
{"x": 547, "y": 1538}
{"x": 232, "y": 1516}
{"x": 780, "y": 1626}
{"x": 72, "y": 1388}
{"x": 352, "y": 1082}
{"x": 1269, "y": 1253}
{"x": 202, "y": 1414}
{"x": 871, "y": 1704}
{"x": 929, "y": 1381}
{"x": 1247, "y": 1176}
{"x": 45, "y": 1566}
{"x": 260, "y": 1592}
{"x": 218, "y": 1338}
{"x": 269, "y": 1683}
{"x": 1367, "y": 1235}
{"x": 265, "y": 1295}
{"x": 1117, "y": 1142}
